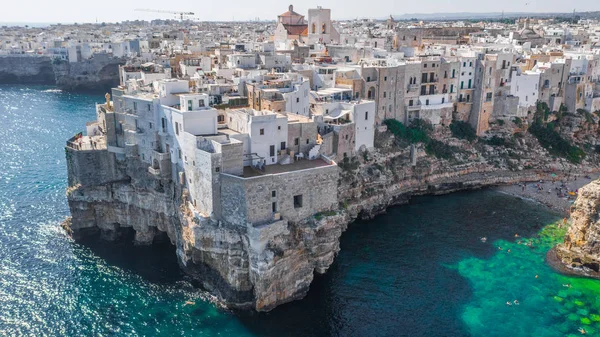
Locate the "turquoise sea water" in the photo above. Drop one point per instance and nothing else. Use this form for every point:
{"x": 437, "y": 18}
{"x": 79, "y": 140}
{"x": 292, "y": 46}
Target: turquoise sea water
{"x": 420, "y": 270}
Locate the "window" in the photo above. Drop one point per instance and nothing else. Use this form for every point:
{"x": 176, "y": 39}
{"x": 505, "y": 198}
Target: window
{"x": 177, "y": 128}
{"x": 274, "y": 206}
{"x": 307, "y": 141}
{"x": 471, "y": 64}
{"x": 426, "y": 102}
{"x": 273, "y": 194}
{"x": 262, "y": 132}
{"x": 464, "y": 64}
{"x": 443, "y": 100}
{"x": 148, "y": 107}
{"x": 297, "y": 141}
{"x": 385, "y": 78}
{"x": 282, "y": 145}
{"x": 164, "y": 124}
{"x": 297, "y": 99}
{"x": 453, "y": 73}
{"x": 366, "y": 115}
{"x": 135, "y": 106}
{"x": 425, "y": 65}
{"x": 451, "y": 88}
{"x": 179, "y": 153}
{"x": 200, "y": 102}
{"x": 272, "y": 150}
{"x": 220, "y": 118}
{"x": 150, "y": 125}
{"x": 298, "y": 201}
{"x": 189, "y": 105}
{"x": 410, "y": 103}
{"x": 217, "y": 169}
{"x": 278, "y": 127}
{"x": 488, "y": 97}
{"x": 384, "y": 94}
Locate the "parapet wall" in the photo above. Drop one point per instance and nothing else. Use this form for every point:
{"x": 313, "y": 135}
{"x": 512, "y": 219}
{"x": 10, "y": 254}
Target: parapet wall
{"x": 91, "y": 168}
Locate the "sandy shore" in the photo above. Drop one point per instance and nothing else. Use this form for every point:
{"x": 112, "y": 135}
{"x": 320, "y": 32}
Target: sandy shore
{"x": 549, "y": 194}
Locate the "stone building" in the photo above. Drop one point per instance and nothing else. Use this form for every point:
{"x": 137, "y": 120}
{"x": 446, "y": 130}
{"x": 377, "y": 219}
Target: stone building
{"x": 320, "y": 27}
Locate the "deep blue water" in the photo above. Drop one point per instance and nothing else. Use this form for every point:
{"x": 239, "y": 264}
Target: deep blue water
{"x": 402, "y": 274}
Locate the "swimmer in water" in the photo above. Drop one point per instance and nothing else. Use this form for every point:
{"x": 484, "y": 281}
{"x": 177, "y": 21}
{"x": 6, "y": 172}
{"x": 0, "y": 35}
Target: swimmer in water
{"x": 536, "y": 276}
{"x": 516, "y": 302}
{"x": 483, "y": 239}
{"x": 582, "y": 331}
{"x": 508, "y": 303}
{"x": 189, "y": 303}
{"x": 567, "y": 285}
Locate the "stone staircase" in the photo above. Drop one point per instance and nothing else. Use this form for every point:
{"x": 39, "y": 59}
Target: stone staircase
{"x": 314, "y": 152}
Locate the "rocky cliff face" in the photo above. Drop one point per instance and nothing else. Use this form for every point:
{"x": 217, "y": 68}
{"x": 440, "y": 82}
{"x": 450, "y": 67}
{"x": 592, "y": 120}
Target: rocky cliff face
{"x": 101, "y": 73}
{"x": 261, "y": 267}
{"x": 26, "y": 70}
{"x": 580, "y": 252}
{"x": 96, "y": 74}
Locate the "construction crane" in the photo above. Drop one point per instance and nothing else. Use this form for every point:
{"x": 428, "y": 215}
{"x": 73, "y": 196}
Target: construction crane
{"x": 182, "y": 15}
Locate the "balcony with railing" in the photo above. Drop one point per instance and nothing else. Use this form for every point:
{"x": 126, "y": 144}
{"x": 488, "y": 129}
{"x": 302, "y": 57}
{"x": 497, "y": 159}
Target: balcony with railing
{"x": 416, "y": 106}
{"x": 161, "y": 156}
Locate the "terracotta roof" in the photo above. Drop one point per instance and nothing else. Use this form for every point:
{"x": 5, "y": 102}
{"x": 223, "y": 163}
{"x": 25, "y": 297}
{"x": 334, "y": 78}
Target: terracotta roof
{"x": 297, "y": 29}
{"x": 290, "y": 13}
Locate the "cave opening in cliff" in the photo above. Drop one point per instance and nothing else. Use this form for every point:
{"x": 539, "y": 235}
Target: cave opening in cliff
{"x": 155, "y": 262}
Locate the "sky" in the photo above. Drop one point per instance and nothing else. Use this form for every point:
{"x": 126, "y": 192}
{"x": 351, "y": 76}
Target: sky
{"x": 69, "y": 11}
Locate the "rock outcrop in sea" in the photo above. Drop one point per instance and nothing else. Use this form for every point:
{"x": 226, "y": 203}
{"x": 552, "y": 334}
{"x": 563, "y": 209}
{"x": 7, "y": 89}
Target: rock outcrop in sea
{"x": 580, "y": 252}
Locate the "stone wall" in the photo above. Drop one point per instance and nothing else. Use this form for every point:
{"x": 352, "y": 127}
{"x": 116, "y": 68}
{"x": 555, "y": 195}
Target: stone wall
{"x": 94, "y": 167}
{"x": 250, "y": 200}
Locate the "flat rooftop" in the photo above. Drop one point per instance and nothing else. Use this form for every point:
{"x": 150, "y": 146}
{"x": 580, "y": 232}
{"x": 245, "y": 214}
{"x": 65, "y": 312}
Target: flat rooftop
{"x": 298, "y": 165}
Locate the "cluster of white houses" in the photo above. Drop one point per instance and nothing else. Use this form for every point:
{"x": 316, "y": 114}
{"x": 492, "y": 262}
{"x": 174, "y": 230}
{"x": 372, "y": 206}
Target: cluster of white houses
{"x": 253, "y": 130}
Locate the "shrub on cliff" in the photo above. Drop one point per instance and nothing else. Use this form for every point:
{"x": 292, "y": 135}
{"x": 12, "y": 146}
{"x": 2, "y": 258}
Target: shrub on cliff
{"x": 463, "y": 130}
{"x": 417, "y": 132}
{"x": 555, "y": 144}
{"x": 518, "y": 121}
{"x": 440, "y": 149}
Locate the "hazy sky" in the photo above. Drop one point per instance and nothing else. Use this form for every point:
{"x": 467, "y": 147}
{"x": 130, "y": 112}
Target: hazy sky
{"x": 119, "y": 10}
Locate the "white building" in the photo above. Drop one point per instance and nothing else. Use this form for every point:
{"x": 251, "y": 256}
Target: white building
{"x": 525, "y": 86}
